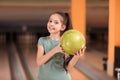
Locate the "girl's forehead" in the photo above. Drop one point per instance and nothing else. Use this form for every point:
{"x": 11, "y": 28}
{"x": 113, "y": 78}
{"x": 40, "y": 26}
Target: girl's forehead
{"x": 56, "y": 17}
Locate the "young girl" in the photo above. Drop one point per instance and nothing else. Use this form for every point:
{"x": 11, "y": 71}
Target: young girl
{"x": 53, "y": 63}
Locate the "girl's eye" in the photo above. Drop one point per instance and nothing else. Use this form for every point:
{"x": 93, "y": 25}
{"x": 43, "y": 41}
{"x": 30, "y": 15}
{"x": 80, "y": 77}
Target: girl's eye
{"x": 50, "y": 20}
{"x": 56, "y": 22}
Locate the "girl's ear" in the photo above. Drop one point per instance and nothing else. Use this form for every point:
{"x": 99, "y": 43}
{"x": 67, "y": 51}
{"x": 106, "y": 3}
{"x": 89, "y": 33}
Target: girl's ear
{"x": 63, "y": 27}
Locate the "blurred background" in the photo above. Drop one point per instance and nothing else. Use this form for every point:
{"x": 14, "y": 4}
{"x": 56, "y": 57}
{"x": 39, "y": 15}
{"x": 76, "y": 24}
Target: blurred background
{"x": 22, "y": 22}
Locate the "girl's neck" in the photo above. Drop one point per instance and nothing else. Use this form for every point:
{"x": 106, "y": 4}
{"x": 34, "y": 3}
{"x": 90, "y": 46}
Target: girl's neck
{"x": 54, "y": 37}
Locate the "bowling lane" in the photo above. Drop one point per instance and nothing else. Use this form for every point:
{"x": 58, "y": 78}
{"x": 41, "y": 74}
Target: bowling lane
{"x": 4, "y": 63}
{"x": 77, "y": 75}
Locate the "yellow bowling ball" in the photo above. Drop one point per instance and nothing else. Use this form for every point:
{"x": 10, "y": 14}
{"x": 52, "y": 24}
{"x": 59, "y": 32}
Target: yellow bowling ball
{"x": 72, "y": 41}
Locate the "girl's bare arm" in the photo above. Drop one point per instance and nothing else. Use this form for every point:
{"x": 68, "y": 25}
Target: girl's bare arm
{"x": 43, "y": 58}
{"x": 75, "y": 59}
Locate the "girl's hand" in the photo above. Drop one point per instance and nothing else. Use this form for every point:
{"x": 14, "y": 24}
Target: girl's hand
{"x": 75, "y": 58}
{"x": 81, "y": 52}
{"x": 58, "y": 48}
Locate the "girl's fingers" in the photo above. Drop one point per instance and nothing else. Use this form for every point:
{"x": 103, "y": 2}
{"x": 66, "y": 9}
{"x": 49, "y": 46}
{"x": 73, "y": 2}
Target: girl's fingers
{"x": 81, "y": 52}
{"x": 62, "y": 48}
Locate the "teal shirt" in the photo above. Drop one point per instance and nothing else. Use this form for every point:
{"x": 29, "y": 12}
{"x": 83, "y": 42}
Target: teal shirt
{"x": 53, "y": 68}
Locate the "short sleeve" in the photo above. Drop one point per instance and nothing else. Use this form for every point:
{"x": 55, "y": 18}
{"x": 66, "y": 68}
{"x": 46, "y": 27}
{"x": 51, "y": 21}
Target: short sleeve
{"x": 40, "y": 41}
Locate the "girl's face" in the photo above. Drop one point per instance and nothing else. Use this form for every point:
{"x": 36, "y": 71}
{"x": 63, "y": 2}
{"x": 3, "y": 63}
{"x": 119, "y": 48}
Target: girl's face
{"x": 55, "y": 24}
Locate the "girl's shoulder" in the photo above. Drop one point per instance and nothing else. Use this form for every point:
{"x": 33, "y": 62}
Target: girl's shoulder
{"x": 44, "y": 38}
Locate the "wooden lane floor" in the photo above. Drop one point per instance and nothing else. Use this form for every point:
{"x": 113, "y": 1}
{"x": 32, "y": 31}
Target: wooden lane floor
{"x": 4, "y": 63}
